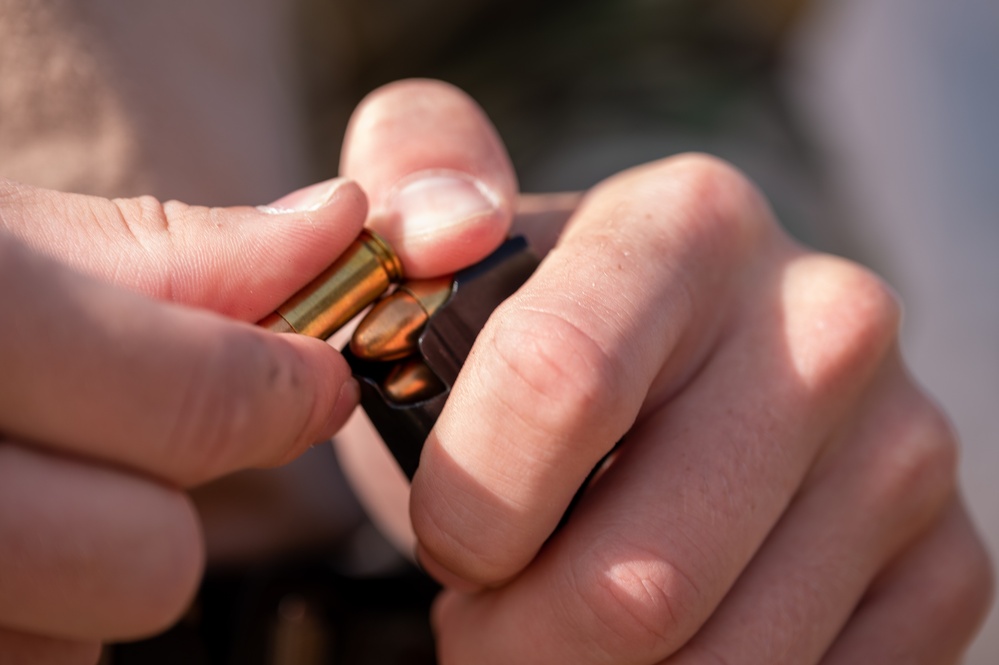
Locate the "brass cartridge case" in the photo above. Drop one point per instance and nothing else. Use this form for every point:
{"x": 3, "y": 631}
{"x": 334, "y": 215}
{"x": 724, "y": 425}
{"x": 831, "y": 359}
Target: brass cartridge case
{"x": 362, "y": 273}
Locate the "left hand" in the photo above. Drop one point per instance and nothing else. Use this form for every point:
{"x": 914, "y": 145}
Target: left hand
{"x": 784, "y": 492}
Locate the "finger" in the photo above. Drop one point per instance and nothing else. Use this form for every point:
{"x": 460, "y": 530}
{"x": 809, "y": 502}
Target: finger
{"x": 929, "y": 604}
{"x": 632, "y": 295}
{"x": 16, "y": 647}
{"x": 373, "y": 472}
{"x": 241, "y": 262}
{"x": 441, "y": 185}
{"x": 698, "y": 484}
{"x": 890, "y": 480}
{"x": 98, "y": 554}
{"x": 182, "y": 394}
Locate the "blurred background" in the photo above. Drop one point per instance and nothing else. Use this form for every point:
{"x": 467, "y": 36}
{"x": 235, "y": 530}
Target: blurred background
{"x": 870, "y": 124}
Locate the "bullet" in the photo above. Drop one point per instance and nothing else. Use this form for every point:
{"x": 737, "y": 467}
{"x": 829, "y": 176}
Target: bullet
{"x": 391, "y": 330}
{"x": 362, "y": 273}
{"x": 411, "y": 382}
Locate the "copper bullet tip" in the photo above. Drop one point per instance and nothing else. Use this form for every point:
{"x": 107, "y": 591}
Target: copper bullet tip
{"x": 411, "y": 382}
{"x": 391, "y": 330}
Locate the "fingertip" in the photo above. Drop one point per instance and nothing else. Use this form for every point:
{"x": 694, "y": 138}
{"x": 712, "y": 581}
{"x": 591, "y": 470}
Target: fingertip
{"x": 413, "y": 124}
{"x": 333, "y": 390}
{"x": 347, "y": 399}
{"x": 318, "y": 220}
{"x": 335, "y": 192}
{"x": 442, "y": 187}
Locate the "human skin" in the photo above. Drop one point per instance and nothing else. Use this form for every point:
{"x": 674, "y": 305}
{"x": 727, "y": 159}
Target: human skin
{"x": 782, "y": 492}
{"x": 113, "y": 400}
{"x": 131, "y": 373}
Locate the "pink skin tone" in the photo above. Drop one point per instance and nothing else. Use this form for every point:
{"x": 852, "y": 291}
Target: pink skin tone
{"x": 783, "y": 492}
{"x": 783, "y": 489}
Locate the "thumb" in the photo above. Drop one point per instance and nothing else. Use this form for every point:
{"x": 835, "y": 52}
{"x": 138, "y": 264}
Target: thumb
{"x": 241, "y": 262}
{"x": 441, "y": 184}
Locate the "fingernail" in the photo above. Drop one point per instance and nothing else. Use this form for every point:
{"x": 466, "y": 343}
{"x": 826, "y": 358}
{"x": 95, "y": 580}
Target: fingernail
{"x": 306, "y": 199}
{"x": 349, "y": 397}
{"x": 444, "y": 576}
{"x": 434, "y": 200}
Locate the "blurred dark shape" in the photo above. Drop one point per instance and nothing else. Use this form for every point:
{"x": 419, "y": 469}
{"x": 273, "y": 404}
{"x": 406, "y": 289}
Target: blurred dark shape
{"x": 306, "y": 612}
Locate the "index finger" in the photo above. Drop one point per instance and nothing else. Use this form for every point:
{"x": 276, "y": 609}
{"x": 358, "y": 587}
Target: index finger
{"x": 183, "y": 395}
{"x": 617, "y": 315}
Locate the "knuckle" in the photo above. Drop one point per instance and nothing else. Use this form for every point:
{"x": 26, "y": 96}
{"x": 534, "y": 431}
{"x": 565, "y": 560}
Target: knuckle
{"x": 706, "y": 206}
{"x": 916, "y": 464}
{"x": 850, "y": 320}
{"x": 723, "y": 204}
{"x": 145, "y": 217}
{"x": 571, "y": 384}
{"x": 147, "y": 221}
{"x": 706, "y": 176}
{"x": 629, "y": 600}
{"x": 868, "y": 300}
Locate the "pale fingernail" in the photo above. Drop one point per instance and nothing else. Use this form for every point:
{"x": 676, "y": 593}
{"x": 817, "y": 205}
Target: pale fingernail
{"x": 306, "y": 199}
{"x": 434, "y": 200}
{"x": 349, "y": 397}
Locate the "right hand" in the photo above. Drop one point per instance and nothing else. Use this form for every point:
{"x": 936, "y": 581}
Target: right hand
{"x": 114, "y": 401}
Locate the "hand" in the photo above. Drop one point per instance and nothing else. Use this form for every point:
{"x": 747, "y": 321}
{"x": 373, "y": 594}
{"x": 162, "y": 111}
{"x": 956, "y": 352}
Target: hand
{"x": 783, "y": 491}
{"x": 113, "y": 401}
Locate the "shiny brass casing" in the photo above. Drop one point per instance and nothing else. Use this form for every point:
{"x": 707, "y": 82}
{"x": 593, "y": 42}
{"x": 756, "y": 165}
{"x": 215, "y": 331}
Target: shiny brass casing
{"x": 362, "y": 273}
